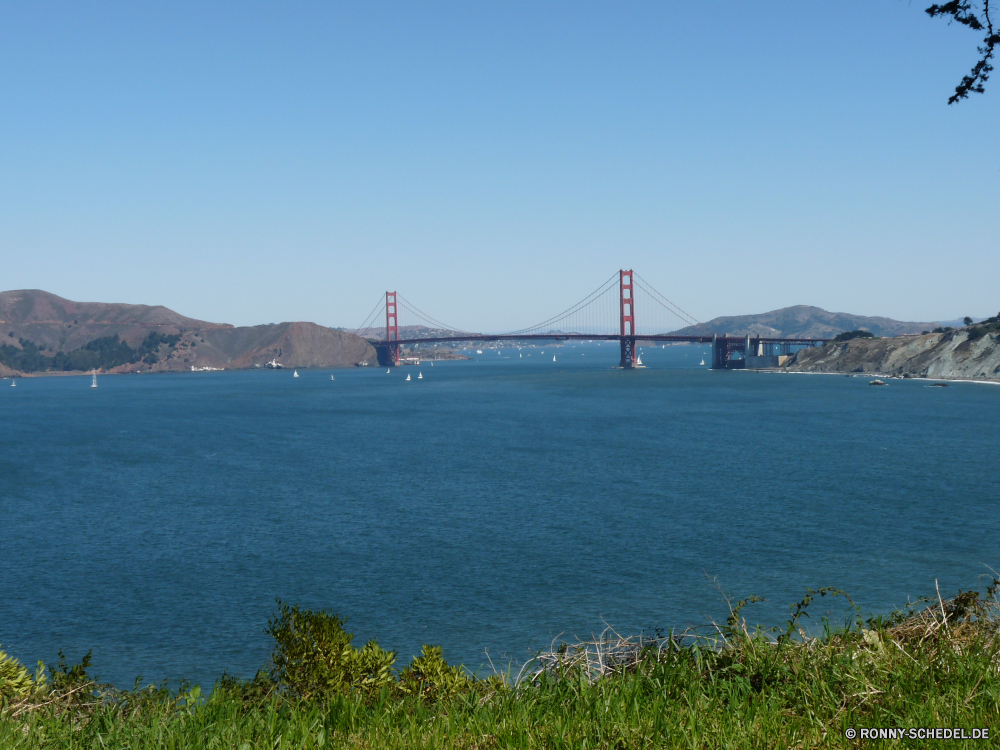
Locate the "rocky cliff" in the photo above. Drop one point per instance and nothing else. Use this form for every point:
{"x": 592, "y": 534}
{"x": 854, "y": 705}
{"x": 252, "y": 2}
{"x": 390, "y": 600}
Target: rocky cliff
{"x": 955, "y": 354}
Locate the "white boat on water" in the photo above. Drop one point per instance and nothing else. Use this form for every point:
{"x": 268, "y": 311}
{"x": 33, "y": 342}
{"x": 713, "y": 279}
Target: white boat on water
{"x": 13, "y": 383}
{"x": 479, "y": 351}
{"x": 295, "y": 373}
{"x": 702, "y": 362}
{"x": 638, "y": 361}
{"x": 331, "y": 377}
{"x": 93, "y": 383}
{"x": 420, "y": 376}
{"x": 407, "y": 376}
{"x": 553, "y": 357}
{"x": 386, "y": 370}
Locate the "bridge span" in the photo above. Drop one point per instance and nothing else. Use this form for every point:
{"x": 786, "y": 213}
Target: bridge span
{"x": 728, "y": 352}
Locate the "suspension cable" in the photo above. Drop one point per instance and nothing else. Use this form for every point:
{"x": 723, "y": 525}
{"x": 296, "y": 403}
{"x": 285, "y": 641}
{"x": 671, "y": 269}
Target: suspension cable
{"x": 365, "y": 325}
{"x": 686, "y": 317}
{"x": 586, "y": 301}
{"x": 425, "y": 317}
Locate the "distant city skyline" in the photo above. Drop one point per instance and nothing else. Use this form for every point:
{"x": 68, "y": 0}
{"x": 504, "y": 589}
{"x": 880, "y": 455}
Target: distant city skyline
{"x": 247, "y": 162}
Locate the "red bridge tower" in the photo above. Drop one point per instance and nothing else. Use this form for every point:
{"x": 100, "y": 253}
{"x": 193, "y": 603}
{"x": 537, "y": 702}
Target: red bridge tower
{"x": 627, "y": 319}
{"x": 391, "y": 329}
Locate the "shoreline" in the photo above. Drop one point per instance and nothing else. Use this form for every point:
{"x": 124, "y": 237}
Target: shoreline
{"x": 773, "y": 371}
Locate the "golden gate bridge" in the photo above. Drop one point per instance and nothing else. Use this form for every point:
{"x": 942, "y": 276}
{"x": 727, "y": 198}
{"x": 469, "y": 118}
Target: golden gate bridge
{"x": 611, "y": 312}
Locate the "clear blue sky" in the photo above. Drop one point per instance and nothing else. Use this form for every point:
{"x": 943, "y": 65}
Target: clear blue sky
{"x": 255, "y": 162}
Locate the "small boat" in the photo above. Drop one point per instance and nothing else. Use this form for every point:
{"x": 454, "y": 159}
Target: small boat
{"x": 420, "y": 376}
{"x": 479, "y": 351}
{"x": 93, "y": 383}
{"x": 638, "y": 361}
{"x": 520, "y": 356}
{"x": 13, "y": 383}
{"x": 876, "y": 382}
{"x": 295, "y": 373}
{"x": 386, "y": 370}
{"x": 331, "y": 377}
{"x": 702, "y": 362}
{"x": 407, "y": 376}
{"x": 553, "y": 357}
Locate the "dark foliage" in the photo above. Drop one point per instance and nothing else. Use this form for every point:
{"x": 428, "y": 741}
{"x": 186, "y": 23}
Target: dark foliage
{"x": 848, "y": 335}
{"x": 990, "y": 325}
{"x": 25, "y": 359}
{"x": 103, "y": 353}
{"x": 961, "y": 11}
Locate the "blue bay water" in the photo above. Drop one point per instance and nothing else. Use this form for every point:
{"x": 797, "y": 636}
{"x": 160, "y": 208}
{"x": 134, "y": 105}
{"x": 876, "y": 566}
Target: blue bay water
{"x": 494, "y": 504}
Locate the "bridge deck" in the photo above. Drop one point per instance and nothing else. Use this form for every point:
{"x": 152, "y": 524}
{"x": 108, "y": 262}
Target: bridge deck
{"x": 665, "y": 338}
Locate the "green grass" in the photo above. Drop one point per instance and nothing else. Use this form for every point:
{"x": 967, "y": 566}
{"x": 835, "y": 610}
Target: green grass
{"x": 736, "y": 688}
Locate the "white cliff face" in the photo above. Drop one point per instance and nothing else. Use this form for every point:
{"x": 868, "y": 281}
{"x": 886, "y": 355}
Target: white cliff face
{"x": 935, "y": 355}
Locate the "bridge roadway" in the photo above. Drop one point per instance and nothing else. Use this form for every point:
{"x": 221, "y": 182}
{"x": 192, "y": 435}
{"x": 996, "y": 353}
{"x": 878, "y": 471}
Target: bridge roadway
{"x": 723, "y": 347}
{"x": 659, "y": 337}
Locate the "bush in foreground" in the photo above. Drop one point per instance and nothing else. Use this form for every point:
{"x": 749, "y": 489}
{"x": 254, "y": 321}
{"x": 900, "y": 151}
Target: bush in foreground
{"x": 733, "y": 687}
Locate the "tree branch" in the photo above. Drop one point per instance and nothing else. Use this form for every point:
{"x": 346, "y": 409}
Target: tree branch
{"x": 961, "y": 11}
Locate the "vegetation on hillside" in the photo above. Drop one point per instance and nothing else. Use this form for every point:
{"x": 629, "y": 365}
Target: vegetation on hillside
{"x": 983, "y": 327}
{"x": 734, "y": 687}
{"x": 849, "y": 335}
{"x": 103, "y": 354}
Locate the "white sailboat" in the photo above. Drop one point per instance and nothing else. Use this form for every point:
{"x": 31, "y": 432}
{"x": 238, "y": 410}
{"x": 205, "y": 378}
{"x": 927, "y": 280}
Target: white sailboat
{"x": 553, "y": 357}
{"x": 702, "y": 362}
{"x": 13, "y": 383}
{"x": 331, "y": 377}
{"x": 407, "y": 376}
{"x": 479, "y": 351}
{"x": 420, "y": 376}
{"x": 93, "y": 383}
{"x": 295, "y": 373}
{"x": 520, "y": 356}
{"x": 386, "y": 370}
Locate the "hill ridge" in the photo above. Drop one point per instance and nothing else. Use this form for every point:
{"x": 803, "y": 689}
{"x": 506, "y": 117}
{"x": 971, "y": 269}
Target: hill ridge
{"x": 54, "y": 324}
{"x": 804, "y": 321}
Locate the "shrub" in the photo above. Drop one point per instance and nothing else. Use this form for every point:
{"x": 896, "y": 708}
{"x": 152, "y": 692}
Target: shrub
{"x": 313, "y": 656}
{"x": 849, "y": 335}
{"x": 429, "y": 676}
{"x": 15, "y": 680}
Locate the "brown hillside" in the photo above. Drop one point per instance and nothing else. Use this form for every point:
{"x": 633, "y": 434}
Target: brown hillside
{"x": 291, "y": 344}
{"x": 58, "y": 323}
